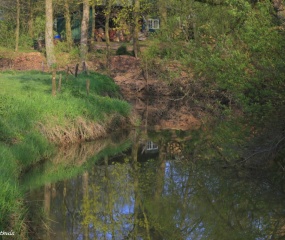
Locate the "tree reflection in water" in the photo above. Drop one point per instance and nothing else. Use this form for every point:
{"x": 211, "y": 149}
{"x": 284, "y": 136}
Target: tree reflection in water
{"x": 163, "y": 197}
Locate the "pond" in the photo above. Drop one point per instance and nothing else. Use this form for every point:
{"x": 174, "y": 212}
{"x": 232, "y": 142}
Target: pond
{"x": 156, "y": 183}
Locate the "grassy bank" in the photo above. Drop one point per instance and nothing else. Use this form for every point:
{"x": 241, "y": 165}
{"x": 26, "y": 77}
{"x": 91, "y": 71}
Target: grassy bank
{"x": 33, "y": 122}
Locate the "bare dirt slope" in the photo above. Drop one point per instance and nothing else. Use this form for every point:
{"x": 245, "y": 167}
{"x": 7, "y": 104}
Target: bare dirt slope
{"x": 154, "y": 99}
{"x": 23, "y": 61}
{"x": 128, "y": 74}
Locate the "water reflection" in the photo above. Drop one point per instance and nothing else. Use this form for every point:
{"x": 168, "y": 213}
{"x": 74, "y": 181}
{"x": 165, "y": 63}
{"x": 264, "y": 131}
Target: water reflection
{"x": 155, "y": 189}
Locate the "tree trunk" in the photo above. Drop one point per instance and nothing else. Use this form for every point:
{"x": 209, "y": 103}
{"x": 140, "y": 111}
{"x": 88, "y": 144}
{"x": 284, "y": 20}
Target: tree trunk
{"x": 67, "y": 24}
{"x": 51, "y": 60}
{"x": 162, "y": 9}
{"x": 136, "y": 27}
{"x": 17, "y": 33}
{"x": 31, "y": 20}
{"x": 93, "y": 24}
{"x": 84, "y": 31}
{"x": 107, "y": 37}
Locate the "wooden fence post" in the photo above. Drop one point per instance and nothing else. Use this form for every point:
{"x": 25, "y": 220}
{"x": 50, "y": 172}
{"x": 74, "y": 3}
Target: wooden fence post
{"x": 76, "y": 70}
{"x": 87, "y": 86}
{"x": 59, "y": 83}
{"x": 66, "y": 76}
{"x": 53, "y": 83}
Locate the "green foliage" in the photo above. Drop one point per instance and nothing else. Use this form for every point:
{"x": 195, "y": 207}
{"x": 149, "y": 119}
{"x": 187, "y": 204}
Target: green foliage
{"x": 74, "y": 53}
{"x": 39, "y": 27}
{"x": 7, "y": 37}
{"x": 61, "y": 47}
{"x": 122, "y": 50}
{"x": 25, "y": 41}
{"x": 237, "y": 50}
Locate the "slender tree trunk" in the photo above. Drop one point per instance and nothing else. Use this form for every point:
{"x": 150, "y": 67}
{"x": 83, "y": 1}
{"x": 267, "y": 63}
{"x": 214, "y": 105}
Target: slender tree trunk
{"x": 136, "y": 27}
{"x": 162, "y": 13}
{"x": 84, "y": 31}
{"x": 51, "y": 60}
{"x": 17, "y": 33}
{"x": 107, "y": 37}
{"x": 31, "y": 20}
{"x": 67, "y": 24}
{"x": 93, "y": 24}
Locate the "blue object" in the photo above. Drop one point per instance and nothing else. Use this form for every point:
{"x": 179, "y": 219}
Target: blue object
{"x": 57, "y": 36}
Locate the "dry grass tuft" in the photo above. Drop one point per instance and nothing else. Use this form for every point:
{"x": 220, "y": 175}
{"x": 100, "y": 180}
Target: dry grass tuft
{"x": 73, "y": 132}
{"x": 82, "y": 129}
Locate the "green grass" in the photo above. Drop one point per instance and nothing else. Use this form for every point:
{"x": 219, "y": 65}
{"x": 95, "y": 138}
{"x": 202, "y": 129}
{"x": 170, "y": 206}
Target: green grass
{"x": 26, "y": 104}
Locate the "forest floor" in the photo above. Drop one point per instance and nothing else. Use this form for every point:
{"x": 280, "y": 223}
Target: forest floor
{"x": 155, "y": 100}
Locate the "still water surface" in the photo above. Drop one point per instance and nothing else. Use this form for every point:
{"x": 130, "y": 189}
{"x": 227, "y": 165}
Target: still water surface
{"x": 160, "y": 185}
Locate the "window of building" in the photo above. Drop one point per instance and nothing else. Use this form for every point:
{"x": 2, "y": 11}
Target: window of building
{"x": 151, "y": 146}
{"x": 153, "y": 23}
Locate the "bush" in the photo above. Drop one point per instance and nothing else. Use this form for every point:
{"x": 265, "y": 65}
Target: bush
{"x": 25, "y": 41}
{"x": 122, "y": 50}
{"x": 62, "y": 47}
{"x": 7, "y": 36}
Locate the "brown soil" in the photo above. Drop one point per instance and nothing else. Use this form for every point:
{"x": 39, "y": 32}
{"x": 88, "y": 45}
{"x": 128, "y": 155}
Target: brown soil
{"x": 23, "y": 61}
{"x": 152, "y": 99}
{"x": 128, "y": 74}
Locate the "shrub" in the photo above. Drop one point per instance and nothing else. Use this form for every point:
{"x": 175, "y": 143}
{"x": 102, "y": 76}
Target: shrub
{"x": 122, "y": 50}
{"x": 7, "y": 36}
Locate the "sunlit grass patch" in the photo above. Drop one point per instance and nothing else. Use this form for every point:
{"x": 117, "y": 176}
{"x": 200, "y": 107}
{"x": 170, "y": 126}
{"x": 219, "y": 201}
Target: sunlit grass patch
{"x": 26, "y": 102}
